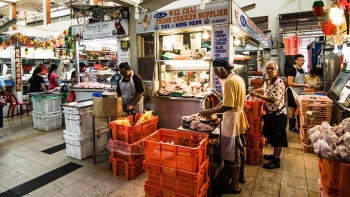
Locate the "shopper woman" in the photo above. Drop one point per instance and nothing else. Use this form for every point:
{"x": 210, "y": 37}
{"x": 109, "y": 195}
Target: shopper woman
{"x": 53, "y": 77}
{"x": 36, "y": 83}
{"x": 275, "y": 119}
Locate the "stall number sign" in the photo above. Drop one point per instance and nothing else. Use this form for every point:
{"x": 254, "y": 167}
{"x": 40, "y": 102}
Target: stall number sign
{"x": 216, "y": 13}
{"x": 18, "y": 68}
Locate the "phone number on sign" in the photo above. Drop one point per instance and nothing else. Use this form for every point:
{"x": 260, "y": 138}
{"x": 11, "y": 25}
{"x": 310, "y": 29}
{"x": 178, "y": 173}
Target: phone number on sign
{"x": 191, "y": 23}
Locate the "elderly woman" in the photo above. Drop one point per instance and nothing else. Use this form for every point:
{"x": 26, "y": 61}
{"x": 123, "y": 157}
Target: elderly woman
{"x": 275, "y": 119}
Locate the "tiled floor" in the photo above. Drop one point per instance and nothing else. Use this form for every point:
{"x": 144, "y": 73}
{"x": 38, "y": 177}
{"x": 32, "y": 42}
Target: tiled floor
{"x": 21, "y": 161}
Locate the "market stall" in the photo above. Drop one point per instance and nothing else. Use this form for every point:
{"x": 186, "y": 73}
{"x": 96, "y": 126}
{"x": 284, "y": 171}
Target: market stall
{"x": 185, "y": 42}
{"x": 101, "y": 46}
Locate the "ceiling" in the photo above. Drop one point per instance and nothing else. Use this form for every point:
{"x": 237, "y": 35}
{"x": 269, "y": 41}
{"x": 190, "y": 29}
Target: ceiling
{"x": 303, "y": 24}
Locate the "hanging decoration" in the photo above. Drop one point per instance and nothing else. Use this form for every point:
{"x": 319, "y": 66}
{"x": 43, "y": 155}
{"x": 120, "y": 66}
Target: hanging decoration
{"x": 328, "y": 28}
{"x": 51, "y": 43}
{"x": 318, "y": 7}
{"x": 344, "y": 5}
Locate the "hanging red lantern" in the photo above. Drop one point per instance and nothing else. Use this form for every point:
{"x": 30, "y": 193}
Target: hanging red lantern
{"x": 318, "y": 8}
{"x": 328, "y": 28}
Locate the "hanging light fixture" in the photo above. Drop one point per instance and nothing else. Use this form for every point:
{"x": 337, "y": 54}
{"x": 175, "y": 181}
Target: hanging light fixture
{"x": 137, "y": 16}
{"x": 202, "y": 4}
{"x": 236, "y": 41}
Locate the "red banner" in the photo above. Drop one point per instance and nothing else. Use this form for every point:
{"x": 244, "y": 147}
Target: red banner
{"x": 18, "y": 67}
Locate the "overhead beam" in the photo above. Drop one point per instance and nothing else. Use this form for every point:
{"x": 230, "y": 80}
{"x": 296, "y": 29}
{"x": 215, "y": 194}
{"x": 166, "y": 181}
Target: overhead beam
{"x": 93, "y": 2}
{"x": 125, "y": 3}
{"x": 248, "y": 7}
{"x": 153, "y": 5}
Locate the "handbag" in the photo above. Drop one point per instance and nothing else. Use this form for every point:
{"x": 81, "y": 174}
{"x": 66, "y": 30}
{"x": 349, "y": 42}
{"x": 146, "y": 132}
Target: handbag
{"x": 2, "y": 101}
{"x": 71, "y": 96}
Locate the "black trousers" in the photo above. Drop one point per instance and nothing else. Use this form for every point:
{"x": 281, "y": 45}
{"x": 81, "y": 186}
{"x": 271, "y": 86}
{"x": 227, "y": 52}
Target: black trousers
{"x": 275, "y": 129}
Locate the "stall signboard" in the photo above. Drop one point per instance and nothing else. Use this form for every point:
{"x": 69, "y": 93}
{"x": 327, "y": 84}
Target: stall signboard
{"x": 222, "y": 48}
{"x": 18, "y": 67}
{"x": 105, "y": 29}
{"x": 240, "y": 19}
{"x": 188, "y": 17}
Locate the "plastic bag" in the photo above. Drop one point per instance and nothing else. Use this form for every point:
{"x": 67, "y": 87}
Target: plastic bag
{"x": 71, "y": 96}
{"x": 318, "y": 64}
{"x": 147, "y": 116}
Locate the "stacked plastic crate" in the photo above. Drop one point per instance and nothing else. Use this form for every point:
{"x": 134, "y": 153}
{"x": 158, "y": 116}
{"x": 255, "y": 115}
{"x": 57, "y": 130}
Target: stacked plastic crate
{"x": 78, "y": 134}
{"x": 253, "y": 136}
{"x": 176, "y": 164}
{"x": 314, "y": 110}
{"x": 126, "y": 146}
{"x": 334, "y": 178}
{"x": 46, "y": 112}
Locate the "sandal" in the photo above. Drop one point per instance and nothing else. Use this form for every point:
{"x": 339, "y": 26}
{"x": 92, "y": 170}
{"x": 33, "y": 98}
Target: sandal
{"x": 229, "y": 190}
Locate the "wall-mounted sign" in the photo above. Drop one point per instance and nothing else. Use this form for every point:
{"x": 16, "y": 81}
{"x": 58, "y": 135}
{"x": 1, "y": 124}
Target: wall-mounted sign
{"x": 240, "y": 19}
{"x": 106, "y": 29}
{"x": 215, "y": 13}
{"x": 18, "y": 67}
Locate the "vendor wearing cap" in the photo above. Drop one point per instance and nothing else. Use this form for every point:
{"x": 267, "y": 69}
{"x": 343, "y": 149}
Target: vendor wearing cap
{"x": 130, "y": 88}
{"x": 234, "y": 125}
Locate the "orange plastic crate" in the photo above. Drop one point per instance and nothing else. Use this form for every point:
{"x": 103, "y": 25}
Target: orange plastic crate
{"x": 132, "y": 134}
{"x": 313, "y": 100}
{"x": 322, "y": 111}
{"x": 254, "y": 108}
{"x": 254, "y": 125}
{"x": 128, "y": 170}
{"x": 253, "y": 157}
{"x": 178, "y": 181}
{"x": 152, "y": 191}
{"x": 315, "y": 121}
{"x": 176, "y": 149}
{"x": 128, "y": 158}
{"x": 335, "y": 177}
{"x": 253, "y": 142}
{"x": 125, "y": 148}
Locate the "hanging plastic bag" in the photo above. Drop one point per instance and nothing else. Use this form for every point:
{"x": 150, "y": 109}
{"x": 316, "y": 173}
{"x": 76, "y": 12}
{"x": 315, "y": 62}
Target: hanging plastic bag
{"x": 71, "y": 96}
{"x": 319, "y": 64}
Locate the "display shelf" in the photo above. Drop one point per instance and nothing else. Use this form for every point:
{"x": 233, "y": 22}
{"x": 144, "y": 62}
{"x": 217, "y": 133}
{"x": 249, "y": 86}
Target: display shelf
{"x": 99, "y": 51}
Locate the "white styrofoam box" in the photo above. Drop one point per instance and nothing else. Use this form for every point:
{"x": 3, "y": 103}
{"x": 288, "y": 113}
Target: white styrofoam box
{"x": 78, "y": 123}
{"x": 75, "y": 136}
{"x": 74, "y": 110}
{"x": 6, "y": 110}
{"x": 47, "y": 105}
{"x": 101, "y": 137}
{"x": 47, "y": 121}
{"x": 78, "y": 149}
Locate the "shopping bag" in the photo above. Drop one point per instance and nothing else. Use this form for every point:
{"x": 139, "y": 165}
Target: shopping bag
{"x": 71, "y": 96}
{"x": 107, "y": 107}
{"x": 2, "y": 101}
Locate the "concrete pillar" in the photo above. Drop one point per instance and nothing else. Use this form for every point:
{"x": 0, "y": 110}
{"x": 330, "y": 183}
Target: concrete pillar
{"x": 13, "y": 14}
{"x": 93, "y": 2}
{"x": 46, "y": 12}
{"x": 133, "y": 40}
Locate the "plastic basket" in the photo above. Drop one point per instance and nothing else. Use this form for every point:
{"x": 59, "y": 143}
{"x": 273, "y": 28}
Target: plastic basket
{"x": 335, "y": 177}
{"x": 47, "y": 105}
{"x": 322, "y": 111}
{"x": 254, "y": 125}
{"x": 253, "y": 142}
{"x": 253, "y": 157}
{"x": 175, "y": 180}
{"x": 315, "y": 100}
{"x": 315, "y": 121}
{"x": 307, "y": 148}
{"x": 79, "y": 123}
{"x": 176, "y": 149}
{"x": 125, "y": 148}
{"x": 152, "y": 191}
{"x": 78, "y": 149}
{"x": 47, "y": 121}
{"x": 132, "y": 134}
{"x": 253, "y": 108}
{"x": 128, "y": 158}
{"x": 128, "y": 170}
